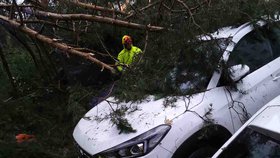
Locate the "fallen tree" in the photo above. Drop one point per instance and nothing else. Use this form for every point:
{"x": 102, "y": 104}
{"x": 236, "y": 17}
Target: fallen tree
{"x": 81, "y": 28}
{"x": 95, "y": 18}
{"x": 54, "y": 43}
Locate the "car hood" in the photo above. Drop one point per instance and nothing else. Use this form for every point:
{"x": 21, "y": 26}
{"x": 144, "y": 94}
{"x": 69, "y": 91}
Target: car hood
{"x": 96, "y": 132}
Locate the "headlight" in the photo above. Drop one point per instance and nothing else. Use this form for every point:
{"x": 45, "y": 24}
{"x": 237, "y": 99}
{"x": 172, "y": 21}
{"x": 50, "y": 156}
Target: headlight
{"x": 139, "y": 145}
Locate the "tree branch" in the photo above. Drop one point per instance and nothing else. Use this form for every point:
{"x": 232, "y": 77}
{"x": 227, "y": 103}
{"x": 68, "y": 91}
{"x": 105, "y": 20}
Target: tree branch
{"x": 142, "y": 9}
{"x": 95, "y": 18}
{"x": 47, "y": 23}
{"x": 95, "y": 7}
{"x": 55, "y": 44}
{"x": 190, "y": 13}
{"x": 199, "y": 5}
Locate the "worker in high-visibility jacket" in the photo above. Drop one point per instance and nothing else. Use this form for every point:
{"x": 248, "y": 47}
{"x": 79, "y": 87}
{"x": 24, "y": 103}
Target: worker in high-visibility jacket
{"x": 128, "y": 54}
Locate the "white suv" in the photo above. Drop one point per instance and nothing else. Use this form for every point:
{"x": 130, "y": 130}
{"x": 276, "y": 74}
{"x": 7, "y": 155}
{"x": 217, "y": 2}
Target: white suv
{"x": 195, "y": 125}
{"x": 258, "y": 137}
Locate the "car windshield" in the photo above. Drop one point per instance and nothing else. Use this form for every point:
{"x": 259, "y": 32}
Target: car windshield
{"x": 194, "y": 71}
{"x": 257, "y": 48}
{"x": 252, "y": 144}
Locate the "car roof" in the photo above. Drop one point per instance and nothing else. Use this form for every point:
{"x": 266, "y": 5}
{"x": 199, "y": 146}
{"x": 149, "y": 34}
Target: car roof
{"x": 268, "y": 117}
{"x": 224, "y": 32}
{"x": 268, "y": 120}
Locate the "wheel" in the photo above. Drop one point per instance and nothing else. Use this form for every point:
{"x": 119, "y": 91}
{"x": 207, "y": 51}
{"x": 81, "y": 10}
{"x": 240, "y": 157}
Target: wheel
{"x": 203, "y": 152}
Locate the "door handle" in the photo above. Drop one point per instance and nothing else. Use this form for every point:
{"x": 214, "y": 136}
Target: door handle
{"x": 276, "y": 78}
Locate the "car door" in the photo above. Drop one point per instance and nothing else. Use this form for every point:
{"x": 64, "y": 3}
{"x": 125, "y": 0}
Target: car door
{"x": 259, "y": 50}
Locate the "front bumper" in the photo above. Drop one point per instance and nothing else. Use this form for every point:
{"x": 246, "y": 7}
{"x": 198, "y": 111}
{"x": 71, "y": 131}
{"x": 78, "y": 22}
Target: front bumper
{"x": 157, "y": 152}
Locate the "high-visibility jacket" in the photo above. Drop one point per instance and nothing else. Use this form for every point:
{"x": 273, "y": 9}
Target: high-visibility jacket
{"x": 127, "y": 56}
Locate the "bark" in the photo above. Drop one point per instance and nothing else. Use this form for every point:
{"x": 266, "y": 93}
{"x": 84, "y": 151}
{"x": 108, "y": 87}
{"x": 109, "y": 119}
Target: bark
{"x": 95, "y": 7}
{"x": 55, "y": 44}
{"x": 95, "y": 18}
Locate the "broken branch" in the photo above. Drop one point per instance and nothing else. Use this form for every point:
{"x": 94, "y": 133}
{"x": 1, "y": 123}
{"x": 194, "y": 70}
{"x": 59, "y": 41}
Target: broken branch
{"x": 96, "y": 18}
{"x": 55, "y": 44}
{"x": 144, "y": 8}
{"x": 95, "y": 7}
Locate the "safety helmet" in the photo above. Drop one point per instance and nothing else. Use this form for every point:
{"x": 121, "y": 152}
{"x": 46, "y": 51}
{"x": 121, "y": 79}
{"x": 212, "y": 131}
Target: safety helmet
{"x": 126, "y": 39}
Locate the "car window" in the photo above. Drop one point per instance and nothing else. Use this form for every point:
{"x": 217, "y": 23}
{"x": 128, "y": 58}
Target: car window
{"x": 195, "y": 68}
{"x": 252, "y": 144}
{"x": 257, "y": 48}
{"x": 274, "y": 39}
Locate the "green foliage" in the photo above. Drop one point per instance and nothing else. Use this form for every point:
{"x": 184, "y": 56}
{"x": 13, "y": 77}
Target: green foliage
{"x": 118, "y": 118}
{"x": 25, "y": 150}
{"x": 21, "y": 63}
{"x": 23, "y": 70}
{"x": 176, "y": 52}
{"x": 41, "y": 109}
{"x": 172, "y": 57}
{"x": 78, "y": 102}
{"x": 42, "y": 115}
{"x": 162, "y": 73}
{"x": 50, "y": 115}
{"x": 169, "y": 101}
{"x": 4, "y": 82}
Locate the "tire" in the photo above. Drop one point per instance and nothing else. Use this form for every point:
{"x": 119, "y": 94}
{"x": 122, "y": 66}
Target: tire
{"x": 203, "y": 152}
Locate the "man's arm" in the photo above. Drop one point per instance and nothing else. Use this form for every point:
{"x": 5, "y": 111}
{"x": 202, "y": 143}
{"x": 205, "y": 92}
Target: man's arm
{"x": 138, "y": 50}
{"x": 120, "y": 61}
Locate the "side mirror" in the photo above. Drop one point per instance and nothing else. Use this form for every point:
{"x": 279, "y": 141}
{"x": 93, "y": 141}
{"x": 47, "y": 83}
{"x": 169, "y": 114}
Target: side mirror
{"x": 238, "y": 72}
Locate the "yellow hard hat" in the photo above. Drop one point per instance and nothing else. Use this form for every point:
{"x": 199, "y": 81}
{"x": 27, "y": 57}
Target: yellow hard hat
{"x": 126, "y": 39}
